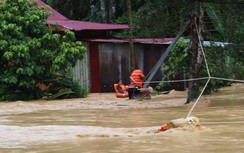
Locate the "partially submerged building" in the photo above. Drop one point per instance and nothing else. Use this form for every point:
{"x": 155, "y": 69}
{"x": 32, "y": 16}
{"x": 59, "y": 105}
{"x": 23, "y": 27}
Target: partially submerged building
{"x": 107, "y": 59}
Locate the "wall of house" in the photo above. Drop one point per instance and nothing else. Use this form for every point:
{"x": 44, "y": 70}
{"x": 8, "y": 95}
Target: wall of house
{"x": 114, "y": 64}
{"x": 81, "y": 72}
{"x": 152, "y": 54}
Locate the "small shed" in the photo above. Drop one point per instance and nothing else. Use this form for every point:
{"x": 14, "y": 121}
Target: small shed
{"x": 107, "y": 59}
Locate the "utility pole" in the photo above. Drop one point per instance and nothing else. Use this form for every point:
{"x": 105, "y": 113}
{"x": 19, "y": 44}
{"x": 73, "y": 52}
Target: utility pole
{"x": 196, "y": 30}
{"x": 132, "y": 51}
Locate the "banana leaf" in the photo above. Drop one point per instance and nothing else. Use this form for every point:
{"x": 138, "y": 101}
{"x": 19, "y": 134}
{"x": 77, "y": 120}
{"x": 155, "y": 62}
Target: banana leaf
{"x": 61, "y": 93}
{"x": 214, "y": 15}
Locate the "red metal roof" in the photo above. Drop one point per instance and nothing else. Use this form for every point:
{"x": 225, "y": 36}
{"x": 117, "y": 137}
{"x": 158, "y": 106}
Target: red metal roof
{"x": 138, "y": 40}
{"x": 154, "y": 40}
{"x": 82, "y": 25}
{"x": 75, "y": 25}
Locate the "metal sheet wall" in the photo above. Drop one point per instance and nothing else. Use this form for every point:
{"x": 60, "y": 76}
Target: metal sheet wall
{"x": 114, "y": 64}
{"x": 81, "y": 72}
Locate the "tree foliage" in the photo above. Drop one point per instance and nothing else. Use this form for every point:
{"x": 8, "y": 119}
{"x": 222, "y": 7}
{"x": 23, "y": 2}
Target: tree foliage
{"x": 227, "y": 60}
{"x": 107, "y": 11}
{"x": 177, "y": 62}
{"x": 30, "y": 53}
{"x": 224, "y": 54}
{"x": 161, "y": 18}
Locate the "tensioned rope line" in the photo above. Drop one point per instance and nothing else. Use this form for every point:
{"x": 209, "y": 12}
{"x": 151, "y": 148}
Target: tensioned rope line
{"x": 162, "y": 81}
{"x": 209, "y": 78}
{"x": 209, "y": 75}
{"x": 233, "y": 80}
{"x": 198, "y": 98}
{"x": 196, "y": 79}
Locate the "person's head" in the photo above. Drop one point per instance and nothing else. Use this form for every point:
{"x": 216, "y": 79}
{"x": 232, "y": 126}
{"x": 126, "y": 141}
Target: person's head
{"x": 136, "y": 68}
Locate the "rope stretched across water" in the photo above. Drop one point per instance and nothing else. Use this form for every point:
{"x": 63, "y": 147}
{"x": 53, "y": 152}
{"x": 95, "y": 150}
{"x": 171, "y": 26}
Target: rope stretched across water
{"x": 209, "y": 75}
{"x": 206, "y": 63}
{"x": 194, "y": 79}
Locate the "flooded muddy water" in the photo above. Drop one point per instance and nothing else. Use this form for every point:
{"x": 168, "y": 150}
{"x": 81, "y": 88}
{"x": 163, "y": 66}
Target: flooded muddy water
{"x": 39, "y": 127}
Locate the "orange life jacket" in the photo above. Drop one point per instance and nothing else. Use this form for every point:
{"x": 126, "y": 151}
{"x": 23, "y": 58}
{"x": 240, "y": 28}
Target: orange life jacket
{"x": 137, "y": 76}
{"x": 164, "y": 127}
{"x": 118, "y": 94}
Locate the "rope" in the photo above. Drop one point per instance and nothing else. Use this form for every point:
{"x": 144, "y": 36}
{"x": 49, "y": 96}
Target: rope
{"x": 198, "y": 98}
{"x": 233, "y": 80}
{"x": 206, "y": 63}
{"x": 204, "y": 56}
{"x": 162, "y": 81}
{"x": 195, "y": 79}
{"x": 209, "y": 76}
{"x": 208, "y": 71}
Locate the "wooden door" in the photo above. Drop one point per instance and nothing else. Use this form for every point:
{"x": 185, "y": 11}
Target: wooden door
{"x": 94, "y": 68}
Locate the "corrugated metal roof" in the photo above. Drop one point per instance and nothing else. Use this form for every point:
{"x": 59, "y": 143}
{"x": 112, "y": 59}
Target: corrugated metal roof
{"x": 154, "y": 40}
{"x": 139, "y": 40}
{"x": 75, "y": 25}
{"x": 215, "y": 43}
{"x": 82, "y": 25}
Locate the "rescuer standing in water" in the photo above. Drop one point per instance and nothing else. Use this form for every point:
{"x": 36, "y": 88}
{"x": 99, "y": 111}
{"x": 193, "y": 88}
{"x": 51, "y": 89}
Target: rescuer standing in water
{"x": 136, "y": 82}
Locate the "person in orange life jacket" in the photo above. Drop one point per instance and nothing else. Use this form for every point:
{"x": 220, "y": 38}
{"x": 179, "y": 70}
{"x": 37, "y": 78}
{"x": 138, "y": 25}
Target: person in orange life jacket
{"x": 121, "y": 89}
{"x": 136, "y": 82}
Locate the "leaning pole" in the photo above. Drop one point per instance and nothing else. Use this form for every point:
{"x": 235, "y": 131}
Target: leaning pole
{"x": 165, "y": 54}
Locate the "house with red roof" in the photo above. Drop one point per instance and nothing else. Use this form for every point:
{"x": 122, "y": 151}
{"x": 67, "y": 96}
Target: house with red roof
{"x": 107, "y": 59}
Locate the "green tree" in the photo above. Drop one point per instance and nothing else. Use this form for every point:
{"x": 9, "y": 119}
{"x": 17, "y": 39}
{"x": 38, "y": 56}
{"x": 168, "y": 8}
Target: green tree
{"x": 226, "y": 61}
{"x": 161, "y": 18}
{"x": 74, "y": 9}
{"x": 224, "y": 29}
{"x": 30, "y": 53}
{"x": 85, "y": 10}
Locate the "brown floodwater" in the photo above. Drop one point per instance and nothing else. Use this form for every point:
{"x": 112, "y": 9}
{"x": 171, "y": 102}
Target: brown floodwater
{"x": 27, "y": 129}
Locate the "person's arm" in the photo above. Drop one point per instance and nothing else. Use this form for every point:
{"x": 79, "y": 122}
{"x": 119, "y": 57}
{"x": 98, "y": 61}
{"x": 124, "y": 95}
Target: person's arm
{"x": 132, "y": 79}
{"x": 143, "y": 77}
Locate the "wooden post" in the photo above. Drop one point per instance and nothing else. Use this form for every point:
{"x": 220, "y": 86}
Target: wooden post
{"x": 132, "y": 52}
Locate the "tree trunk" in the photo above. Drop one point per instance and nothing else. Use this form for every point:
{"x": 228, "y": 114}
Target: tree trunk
{"x": 196, "y": 54}
{"x": 132, "y": 52}
{"x": 103, "y": 9}
{"x": 109, "y": 7}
